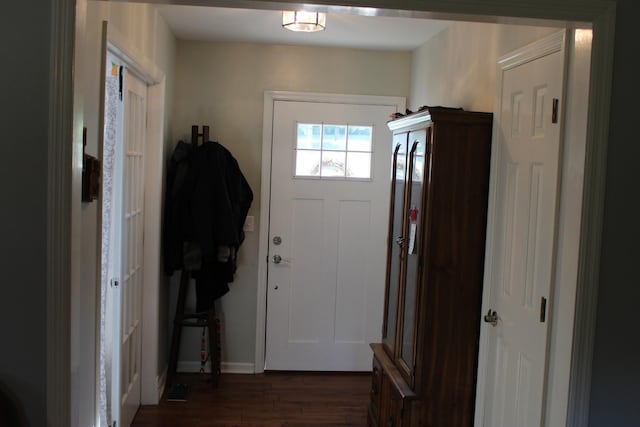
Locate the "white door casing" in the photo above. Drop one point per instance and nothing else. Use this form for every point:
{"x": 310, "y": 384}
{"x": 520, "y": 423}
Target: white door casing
{"x": 521, "y": 235}
{"x": 324, "y": 300}
{"x": 127, "y": 309}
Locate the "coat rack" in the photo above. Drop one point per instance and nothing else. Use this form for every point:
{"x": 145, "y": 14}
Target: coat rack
{"x": 195, "y": 135}
{"x": 183, "y": 319}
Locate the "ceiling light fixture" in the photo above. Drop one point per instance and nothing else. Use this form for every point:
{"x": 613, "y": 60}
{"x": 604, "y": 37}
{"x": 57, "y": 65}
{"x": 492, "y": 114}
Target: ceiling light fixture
{"x": 303, "y": 21}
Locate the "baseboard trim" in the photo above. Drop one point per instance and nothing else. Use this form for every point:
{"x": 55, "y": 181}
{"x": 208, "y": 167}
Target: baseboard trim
{"x": 237, "y": 368}
{"x": 161, "y": 381}
{"x": 225, "y": 367}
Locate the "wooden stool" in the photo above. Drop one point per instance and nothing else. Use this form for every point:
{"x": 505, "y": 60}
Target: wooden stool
{"x": 181, "y": 320}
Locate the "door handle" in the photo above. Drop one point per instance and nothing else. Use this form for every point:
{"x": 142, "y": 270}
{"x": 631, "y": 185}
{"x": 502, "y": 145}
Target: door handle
{"x": 491, "y": 317}
{"x": 278, "y": 259}
{"x": 400, "y": 241}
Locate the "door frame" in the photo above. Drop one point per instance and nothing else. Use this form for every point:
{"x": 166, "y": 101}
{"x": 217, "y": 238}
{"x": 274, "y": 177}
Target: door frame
{"x": 114, "y": 42}
{"x": 64, "y": 174}
{"x": 270, "y": 97}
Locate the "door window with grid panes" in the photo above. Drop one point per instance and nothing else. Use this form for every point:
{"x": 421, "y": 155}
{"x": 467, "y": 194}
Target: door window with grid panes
{"x": 336, "y": 151}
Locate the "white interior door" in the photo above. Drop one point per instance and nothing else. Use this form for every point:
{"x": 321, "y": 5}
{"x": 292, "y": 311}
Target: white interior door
{"x": 327, "y": 235}
{"x": 127, "y": 296}
{"x": 521, "y": 241}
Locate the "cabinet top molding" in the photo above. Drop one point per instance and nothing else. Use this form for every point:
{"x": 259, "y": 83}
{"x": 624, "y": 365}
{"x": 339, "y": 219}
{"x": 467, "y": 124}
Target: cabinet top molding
{"x": 435, "y": 114}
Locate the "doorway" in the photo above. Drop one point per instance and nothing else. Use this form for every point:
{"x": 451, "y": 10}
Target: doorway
{"x": 327, "y": 214}
{"x": 600, "y": 94}
{"x": 132, "y": 111}
{"x": 122, "y": 240}
{"x": 522, "y": 234}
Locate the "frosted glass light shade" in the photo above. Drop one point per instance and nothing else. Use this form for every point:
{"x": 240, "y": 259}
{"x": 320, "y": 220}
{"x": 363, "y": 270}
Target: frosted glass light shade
{"x": 296, "y": 20}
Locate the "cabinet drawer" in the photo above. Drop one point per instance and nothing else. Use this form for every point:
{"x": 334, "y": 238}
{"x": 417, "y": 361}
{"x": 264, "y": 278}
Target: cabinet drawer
{"x": 393, "y": 406}
{"x": 396, "y": 410}
{"x": 376, "y": 387}
{"x": 372, "y": 419}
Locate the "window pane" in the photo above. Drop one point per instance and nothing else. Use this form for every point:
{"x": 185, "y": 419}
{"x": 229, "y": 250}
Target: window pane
{"x": 401, "y": 167}
{"x": 333, "y": 151}
{"x": 360, "y": 138}
{"x": 307, "y": 163}
{"x": 359, "y": 165}
{"x": 418, "y": 169}
{"x": 334, "y": 138}
{"x": 333, "y": 163}
{"x": 309, "y": 136}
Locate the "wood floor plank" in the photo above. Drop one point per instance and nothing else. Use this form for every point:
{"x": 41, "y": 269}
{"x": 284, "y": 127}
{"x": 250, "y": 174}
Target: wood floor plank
{"x": 280, "y": 399}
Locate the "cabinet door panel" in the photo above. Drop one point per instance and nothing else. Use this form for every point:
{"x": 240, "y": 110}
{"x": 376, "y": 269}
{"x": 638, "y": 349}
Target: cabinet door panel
{"x": 395, "y": 240}
{"x": 417, "y": 169}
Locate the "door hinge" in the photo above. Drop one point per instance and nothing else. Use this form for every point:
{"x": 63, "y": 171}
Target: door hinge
{"x": 543, "y": 309}
{"x": 554, "y": 111}
{"x": 120, "y": 84}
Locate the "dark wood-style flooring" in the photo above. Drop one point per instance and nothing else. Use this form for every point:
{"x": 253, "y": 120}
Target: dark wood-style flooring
{"x": 265, "y": 400}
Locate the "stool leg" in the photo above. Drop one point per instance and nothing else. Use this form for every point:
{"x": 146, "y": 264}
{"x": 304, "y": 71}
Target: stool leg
{"x": 177, "y": 327}
{"x": 213, "y": 345}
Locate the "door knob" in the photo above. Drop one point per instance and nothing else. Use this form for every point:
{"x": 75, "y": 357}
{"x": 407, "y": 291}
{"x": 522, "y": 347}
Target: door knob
{"x": 491, "y": 317}
{"x": 278, "y": 259}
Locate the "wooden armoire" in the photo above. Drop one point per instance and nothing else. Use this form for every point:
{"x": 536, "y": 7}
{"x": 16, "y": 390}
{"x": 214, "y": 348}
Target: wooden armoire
{"x": 424, "y": 370}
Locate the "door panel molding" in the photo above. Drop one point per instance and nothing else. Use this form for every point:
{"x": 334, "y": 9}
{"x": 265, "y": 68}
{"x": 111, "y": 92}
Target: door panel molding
{"x": 270, "y": 97}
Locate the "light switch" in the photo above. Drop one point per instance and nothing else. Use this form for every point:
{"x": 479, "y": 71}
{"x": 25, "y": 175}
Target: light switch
{"x": 248, "y": 223}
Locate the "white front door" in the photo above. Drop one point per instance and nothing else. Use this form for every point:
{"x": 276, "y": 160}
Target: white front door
{"x": 327, "y": 235}
{"x": 127, "y": 298}
{"x": 521, "y": 240}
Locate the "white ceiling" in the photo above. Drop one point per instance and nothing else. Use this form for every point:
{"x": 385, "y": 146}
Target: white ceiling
{"x": 265, "y": 26}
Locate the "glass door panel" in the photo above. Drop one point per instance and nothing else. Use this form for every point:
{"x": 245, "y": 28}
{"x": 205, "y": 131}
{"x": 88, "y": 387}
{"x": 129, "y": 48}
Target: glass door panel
{"x": 413, "y": 218}
{"x": 395, "y": 239}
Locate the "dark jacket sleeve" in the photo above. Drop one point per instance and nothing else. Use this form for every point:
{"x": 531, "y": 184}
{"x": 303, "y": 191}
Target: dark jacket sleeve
{"x": 176, "y": 215}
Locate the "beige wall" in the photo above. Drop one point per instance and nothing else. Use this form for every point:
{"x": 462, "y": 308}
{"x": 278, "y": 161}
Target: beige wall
{"x": 457, "y": 67}
{"x": 222, "y": 85}
{"x": 145, "y": 30}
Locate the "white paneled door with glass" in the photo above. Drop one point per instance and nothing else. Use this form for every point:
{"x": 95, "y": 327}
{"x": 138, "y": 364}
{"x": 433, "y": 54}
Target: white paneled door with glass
{"x": 126, "y": 312}
{"x": 327, "y": 234}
